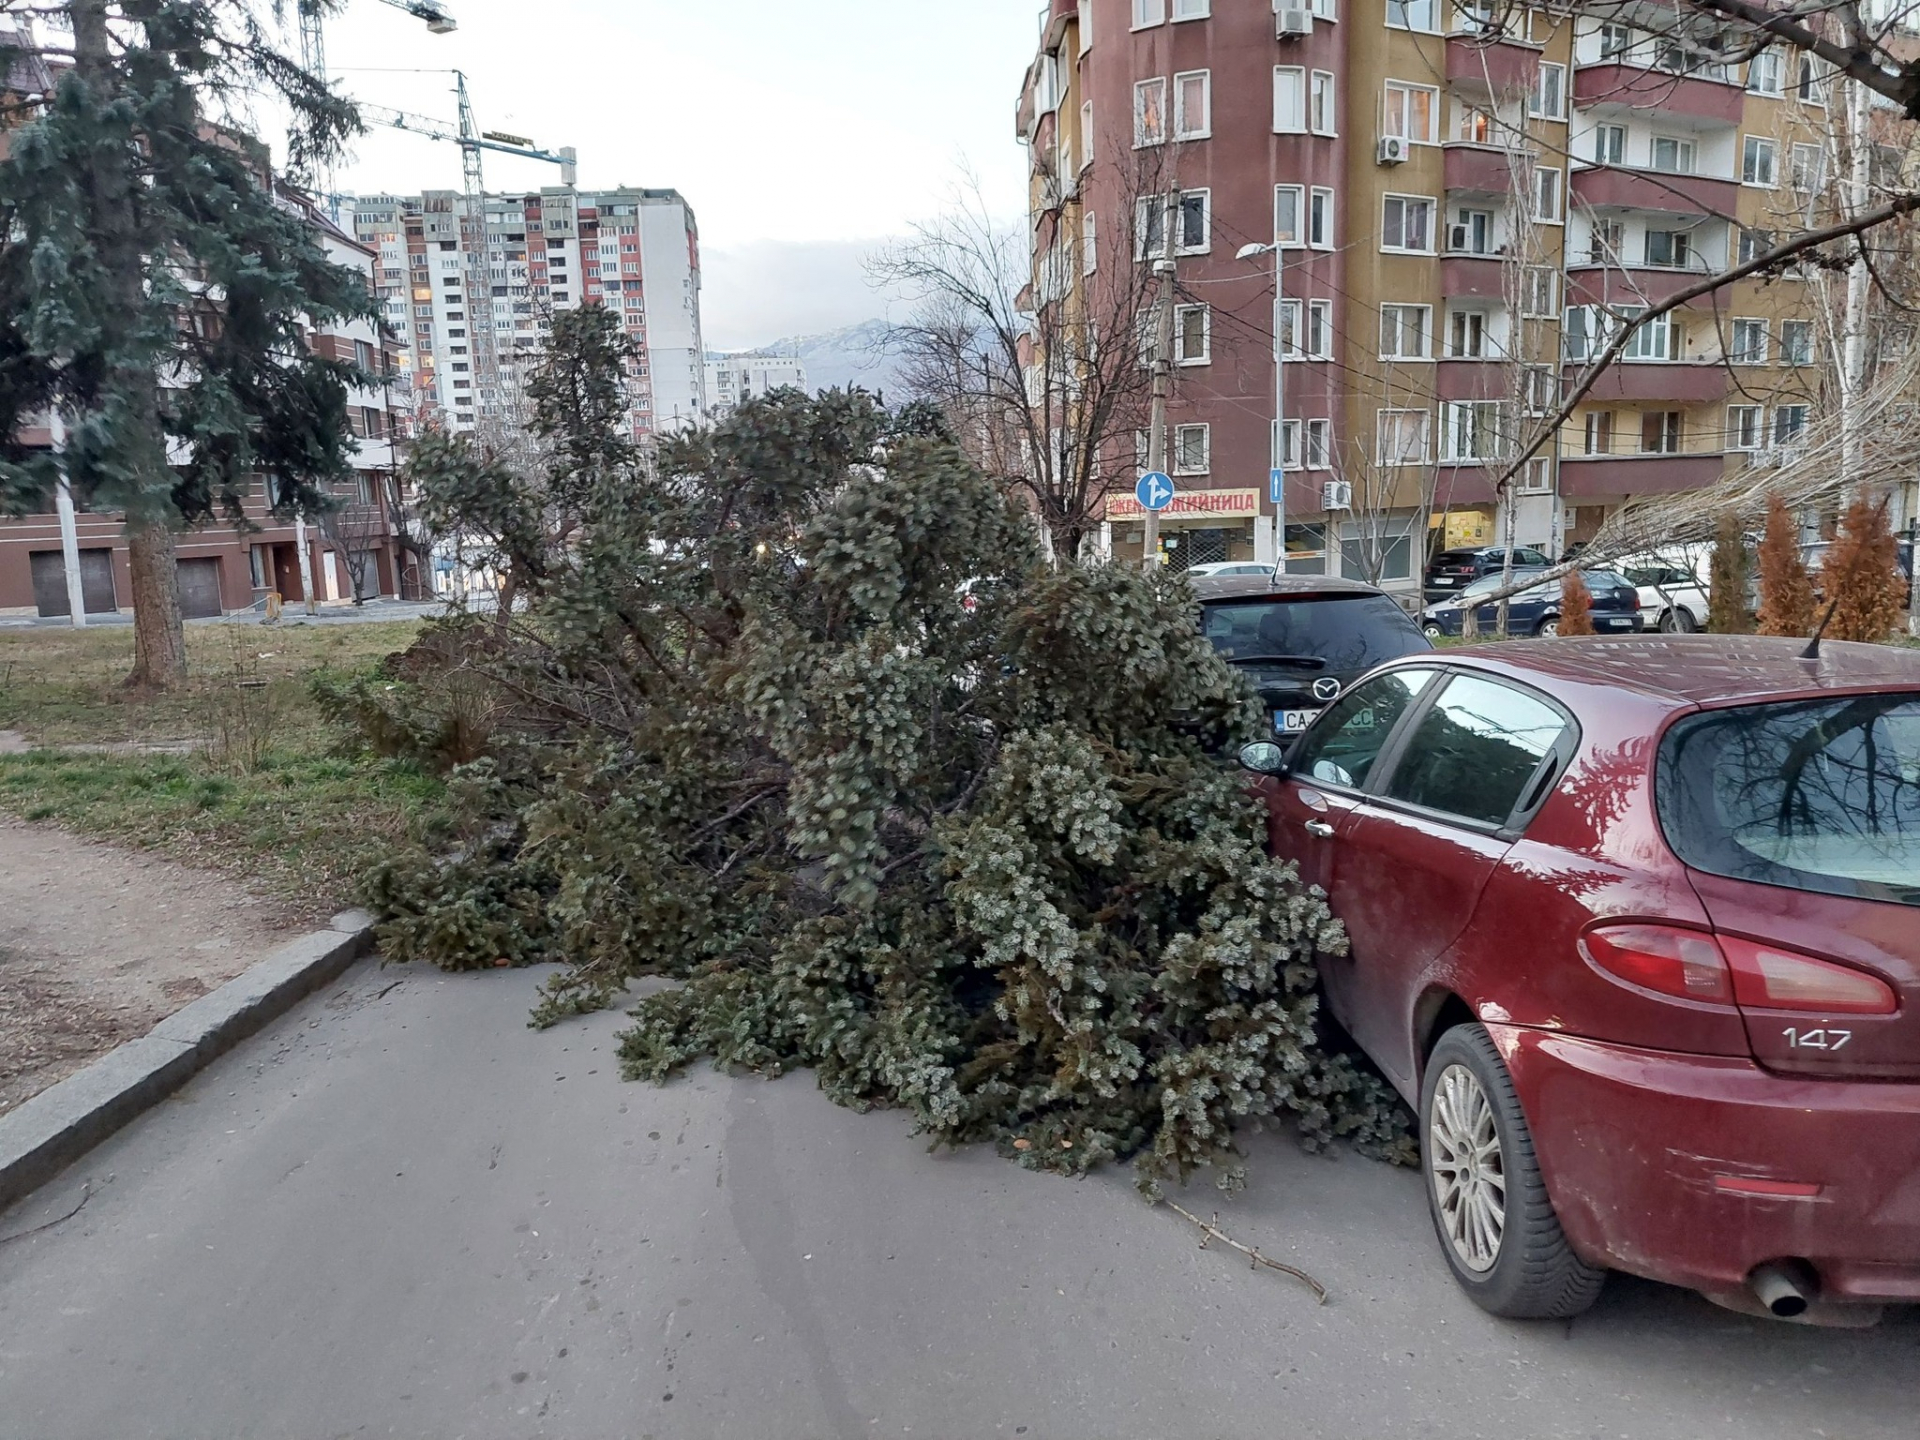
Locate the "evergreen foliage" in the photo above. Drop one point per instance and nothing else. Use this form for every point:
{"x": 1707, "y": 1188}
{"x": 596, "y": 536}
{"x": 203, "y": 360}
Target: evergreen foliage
{"x": 1729, "y": 575}
{"x": 805, "y": 723}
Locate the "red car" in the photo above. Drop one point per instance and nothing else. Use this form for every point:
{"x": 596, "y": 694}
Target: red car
{"x": 1635, "y": 928}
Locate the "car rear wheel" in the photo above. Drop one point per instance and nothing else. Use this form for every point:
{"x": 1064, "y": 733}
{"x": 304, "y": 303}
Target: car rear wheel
{"x": 1489, "y": 1204}
{"x": 1433, "y": 632}
{"x": 1679, "y": 621}
{"x": 1548, "y": 627}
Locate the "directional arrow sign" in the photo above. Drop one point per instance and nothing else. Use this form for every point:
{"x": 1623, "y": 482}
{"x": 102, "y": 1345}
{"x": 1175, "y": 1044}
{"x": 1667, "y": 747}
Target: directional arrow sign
{"x": 1154, "y": 492}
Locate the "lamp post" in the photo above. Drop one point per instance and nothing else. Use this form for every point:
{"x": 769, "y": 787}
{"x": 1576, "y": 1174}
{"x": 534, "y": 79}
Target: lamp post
{"x": 1254, "y": 252}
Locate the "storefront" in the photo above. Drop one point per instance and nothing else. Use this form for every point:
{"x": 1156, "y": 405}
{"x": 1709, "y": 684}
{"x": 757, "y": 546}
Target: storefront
{"x": 1200, "y": 527}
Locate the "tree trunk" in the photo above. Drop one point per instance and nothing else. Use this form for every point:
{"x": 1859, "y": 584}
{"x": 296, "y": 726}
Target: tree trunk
{"x": 159, "y": 637}
{"x": 503, "y": 612}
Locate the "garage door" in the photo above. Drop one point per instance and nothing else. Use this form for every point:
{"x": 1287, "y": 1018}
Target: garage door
{"x": 363, "y": 568}
{"x": 200, "y": 589}
{"x": 96, "y": 582}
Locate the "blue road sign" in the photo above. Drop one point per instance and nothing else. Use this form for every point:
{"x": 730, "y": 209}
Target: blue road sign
{"x": 1154, "y": 492}
{"x": 1276, "y": 486}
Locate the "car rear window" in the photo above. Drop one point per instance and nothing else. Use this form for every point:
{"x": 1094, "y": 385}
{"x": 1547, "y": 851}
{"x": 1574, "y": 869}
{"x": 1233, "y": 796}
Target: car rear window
{"x": 1813, "y": 795}
{"x": 1349, "y": 632}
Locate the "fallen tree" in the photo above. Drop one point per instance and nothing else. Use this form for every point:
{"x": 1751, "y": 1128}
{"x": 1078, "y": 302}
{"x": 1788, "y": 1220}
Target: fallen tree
{"x": 804, "y": 721}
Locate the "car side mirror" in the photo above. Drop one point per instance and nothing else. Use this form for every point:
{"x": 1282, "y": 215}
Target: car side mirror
{"x": 1263, "y": 757}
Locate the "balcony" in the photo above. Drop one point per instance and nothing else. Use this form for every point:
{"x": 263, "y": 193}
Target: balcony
{"x": 1464, "y": 484}
{"x": 1474, "y": 169}
{"x": 1471, "y": 380}
{"x": 1686, "y": 99}
{"x": 1491, "y": 64}
{"x": 1587, "y": 477}
{"x": 1683, "y": 382}
{"x": 1626, "y": 284}
{"x": 1620, "y": 187}
{"x": 1466, "y": 275}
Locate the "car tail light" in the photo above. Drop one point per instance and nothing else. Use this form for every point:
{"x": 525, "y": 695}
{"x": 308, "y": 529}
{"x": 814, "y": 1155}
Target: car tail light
{"x": 1662, "y": 958}
{"x": 1766, "y": 977}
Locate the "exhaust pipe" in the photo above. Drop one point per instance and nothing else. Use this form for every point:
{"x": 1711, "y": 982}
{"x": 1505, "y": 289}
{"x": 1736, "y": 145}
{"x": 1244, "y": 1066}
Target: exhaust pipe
{"x": 1785, "y": 1287}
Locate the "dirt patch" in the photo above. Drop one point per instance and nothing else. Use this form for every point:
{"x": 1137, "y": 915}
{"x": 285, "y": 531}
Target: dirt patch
{"x": 99, "y": 944}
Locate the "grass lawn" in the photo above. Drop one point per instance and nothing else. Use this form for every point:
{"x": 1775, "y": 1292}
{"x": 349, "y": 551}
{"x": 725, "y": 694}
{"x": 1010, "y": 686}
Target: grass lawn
{"x": 241, "y": 771}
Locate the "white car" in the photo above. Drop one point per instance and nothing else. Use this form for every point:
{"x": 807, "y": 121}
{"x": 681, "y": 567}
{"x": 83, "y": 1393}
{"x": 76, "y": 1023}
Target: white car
{"x": 1227, "y": 567}
{"x": 1674, "y": 593}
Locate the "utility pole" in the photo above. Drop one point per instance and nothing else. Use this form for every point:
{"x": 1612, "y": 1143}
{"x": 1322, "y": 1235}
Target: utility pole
{"x": 1254, "y": 252}
{"x": 69, "y": 528}
{"x": 1162, "y": 384}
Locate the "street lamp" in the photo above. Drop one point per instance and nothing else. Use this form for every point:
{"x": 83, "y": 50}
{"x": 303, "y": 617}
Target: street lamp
{"x": 1279, "y": 496}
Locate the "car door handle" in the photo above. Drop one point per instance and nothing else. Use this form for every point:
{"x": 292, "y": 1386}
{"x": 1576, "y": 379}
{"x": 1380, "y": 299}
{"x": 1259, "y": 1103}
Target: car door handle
{"x": 1320, "y": 828}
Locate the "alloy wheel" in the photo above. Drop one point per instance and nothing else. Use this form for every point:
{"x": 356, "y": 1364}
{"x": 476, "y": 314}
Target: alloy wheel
{"x": 1468, "y": 1169}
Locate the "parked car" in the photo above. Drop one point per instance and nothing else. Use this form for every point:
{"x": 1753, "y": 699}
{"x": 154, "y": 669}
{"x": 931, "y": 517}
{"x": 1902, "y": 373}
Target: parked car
{"x": 1215, "y": 568}
{"x": 1302, "y": 639}
{"x": 1673, "y": 587}
{"x": 1453, "y": 570}
{"x": 1536, "y": 611}
{"x": 1814, "y": 554}
{"x": 1633, "y": 928}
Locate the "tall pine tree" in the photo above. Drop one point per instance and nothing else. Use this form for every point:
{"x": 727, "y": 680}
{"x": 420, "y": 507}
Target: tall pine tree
{"x": 155, "y": 292}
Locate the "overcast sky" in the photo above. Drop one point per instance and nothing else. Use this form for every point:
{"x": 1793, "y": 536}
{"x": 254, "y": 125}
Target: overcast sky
{"x": 801, "y": 133}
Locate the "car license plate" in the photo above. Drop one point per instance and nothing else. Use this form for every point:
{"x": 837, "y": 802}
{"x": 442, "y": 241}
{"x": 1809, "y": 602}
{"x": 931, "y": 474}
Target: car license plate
{"x": 1621, "y": 623}
{"x": 1292, "y": 722}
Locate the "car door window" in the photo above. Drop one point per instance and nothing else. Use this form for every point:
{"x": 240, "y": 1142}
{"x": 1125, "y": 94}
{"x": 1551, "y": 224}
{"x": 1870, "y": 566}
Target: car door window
{"x": 1475, "y": 753}
{"x": 1529, "y": 557}
{"x": 1344, "y": 743}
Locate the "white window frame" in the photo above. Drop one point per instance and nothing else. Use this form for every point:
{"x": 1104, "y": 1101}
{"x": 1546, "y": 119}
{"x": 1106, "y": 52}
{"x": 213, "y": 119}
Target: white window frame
{"x": 1677, "y": 242}
{"x": 1404, "y": 91}
{"x": 1319, "y": 451}
{"x": 1780, "y": 412}
{"x": 1549, "y": 195}
{"x": 1393, "y": 328}
{"x": 1177, "y": 217}
{"x": 1089, "y": 243}
{"x": 1473, "y": 417}
{"x": 1673, "y": 438}
{"x": 1410, "y": 18}
{"x": 1471, "y": 218}
{"x": 1205, "y": 357}
{"x": 1795, "y": 155}
{"x": 1085, "y": 16}
{"x": 1284, "y": 444}
{"x": 1655, "y": 340}
{"x": 1086, "y": 133}
{"x": 1601, "y": 135}
{"x": 1769, "y": 62}
{"x": 1734, "y": 438}
{"x": 1286, "y": 320}
{"x": 1297, "y": 194}
{"x": 1800, "y": 327}
{"x": 1597, "y": 430}
{"x": 1752, "y": 149}
{"x": 1181, "y": 466}
{"x": 1433, "y": 212}
{"x": 1319, "y": 333}
{"x": 1537, "y": 478}
{"x": 1293, "y": 121}
{"x": 1149, "y": 13}
{"x": 1741, "y": 354}
{"x": 1143, "y": 138}
{"x": 1325, "y": 9}
{"x": 1685, "y": 147}
{"x": 1183, "y": 126}
{"x": 1402, "y": 455}
{"x": 1191, "y": 10}
{"x": 1460, "y": 328}
{"x": 1558, "y": 73}
{"x": 1616, "y": 40}
{"x": 1323, "y": 108}
{"x": 1320, "y": 217}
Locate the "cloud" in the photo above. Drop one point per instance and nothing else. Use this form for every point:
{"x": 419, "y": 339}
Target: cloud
{"x": 766, "y": 290}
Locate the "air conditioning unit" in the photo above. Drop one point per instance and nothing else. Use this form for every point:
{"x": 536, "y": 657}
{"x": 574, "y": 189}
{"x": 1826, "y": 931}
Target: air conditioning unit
{"x": 1336, "y": 495}
{"x": 1292, "y": 21}
{"x": 1394, "y": 150}
{"x": 1457, "y": 238}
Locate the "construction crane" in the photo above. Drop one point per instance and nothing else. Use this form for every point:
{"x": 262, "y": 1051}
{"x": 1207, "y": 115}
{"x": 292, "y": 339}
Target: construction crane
{"x": 313, "y": 40}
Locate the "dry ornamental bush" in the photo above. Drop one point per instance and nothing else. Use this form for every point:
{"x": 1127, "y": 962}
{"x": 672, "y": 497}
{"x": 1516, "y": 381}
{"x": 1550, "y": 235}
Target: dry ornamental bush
{"x": 1576, "y": 605}
{"x": 985, "y": 864}
{"x": 1786, "y": 590}
{"x": 1861, "y": 578}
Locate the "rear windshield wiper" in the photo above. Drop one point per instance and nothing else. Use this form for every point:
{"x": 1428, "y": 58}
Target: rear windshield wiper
{"x": 1305, "y": 662}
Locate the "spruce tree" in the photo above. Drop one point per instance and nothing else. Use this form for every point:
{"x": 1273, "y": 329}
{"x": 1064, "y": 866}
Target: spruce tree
{"x": 154, "y": 289}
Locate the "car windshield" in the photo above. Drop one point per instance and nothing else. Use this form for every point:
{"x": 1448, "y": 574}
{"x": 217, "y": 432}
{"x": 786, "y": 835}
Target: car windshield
{"x": 1350, "y": 633}
{"x": 1821, "y": 796}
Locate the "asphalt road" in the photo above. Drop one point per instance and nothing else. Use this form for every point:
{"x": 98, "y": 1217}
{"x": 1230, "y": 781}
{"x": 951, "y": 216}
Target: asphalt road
{"x": 401, "y": 1213}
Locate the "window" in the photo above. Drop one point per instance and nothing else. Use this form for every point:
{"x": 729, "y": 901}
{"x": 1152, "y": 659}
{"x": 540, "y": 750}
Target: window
{"x": 1319, "y": 340}
{"x": 1540, "y": 391}
{"x": 1467, "y": 335}
{"x": 1757, "y": 160}
{"x": 1652, "y": 340}
{"x": 1540, "y": 291}
{"x": 1404, "y": 331}
{"x": 1192, "y": 334}
{"x": 1406, "y": 223}
{"x": 1401, "y": 437}
{"x": 1549, "y": 100}
{"x": 1537, "y": 478}
{"x": 1086, "y": 134}
{"x": 1673, "y": 155}
{"x": 1192, "y": 9}
{"x": 1319, "y": 445}
{"x": 1610, "y": 144}
{"x": 1470, "y": 430}
{"x": 1478, "y": 751}
{"x": 1660, "y": 432}
{"x": 1149, "y": 112}
{"x": 1599, "y": 432}
{"x": 1287, "y": 328}
{"x": 1192, "y": 231}
{"x": 1754, "y": 244}
{"x": 1471, "y": 232}
{"x": 1475, "y": 126}
{"x": 1763, "y": 73}
{"x": 1615, "y": 40}
{"x": 1788, "y": 423}
{"x": 1193, "y": 105}
{"x": 1669, "y": 247}
{"x": 1320, "y": 218}
{"x": 1325, "y": 9}
{"x": 1194, "y": 236}
{"x": 1749, "y": 345}
{"x": 1342, "y": 748}
{"x": 1745, "y": 428}
{"x": 1413, "y": 14}
{"x": 1287, "y": 454}
{"x": 1807, "y": 168}
{"x": 1323, "y": 115}
{"x": 1192, "y": 449}
{"x": 1289, "y": 99}
{"x": 1287, "y": 200}
{"x": 1378, "y": 551}
{"x": 1807, "y": 84}
{"x": 1546, "y": 193}
{"x": 1796, "y": 342}
{"x": 1411, "y": 110}
{"x": 1086, "y": 25}
{"x": 1148, "y": 12}
{"x": 1607, "y": 242}
{"x": 1089, "y": 249}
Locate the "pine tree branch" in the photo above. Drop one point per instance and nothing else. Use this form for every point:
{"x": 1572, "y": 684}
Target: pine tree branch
{"x": 1210, "y": 1230}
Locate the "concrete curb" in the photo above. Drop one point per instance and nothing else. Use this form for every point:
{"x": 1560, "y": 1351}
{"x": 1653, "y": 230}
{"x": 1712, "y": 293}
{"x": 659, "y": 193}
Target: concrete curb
{"x": 60, "y": 1124}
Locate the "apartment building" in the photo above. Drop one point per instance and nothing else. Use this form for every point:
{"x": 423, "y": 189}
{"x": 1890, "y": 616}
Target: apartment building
{"x": 733, "y": 378}
{"x": 636, "y": 251}
{"x": 358, "y": 550}
{"x": 1452, "y": 194}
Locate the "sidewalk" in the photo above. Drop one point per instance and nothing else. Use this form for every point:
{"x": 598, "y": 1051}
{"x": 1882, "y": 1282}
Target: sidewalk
{"x": 330, "y": 612}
